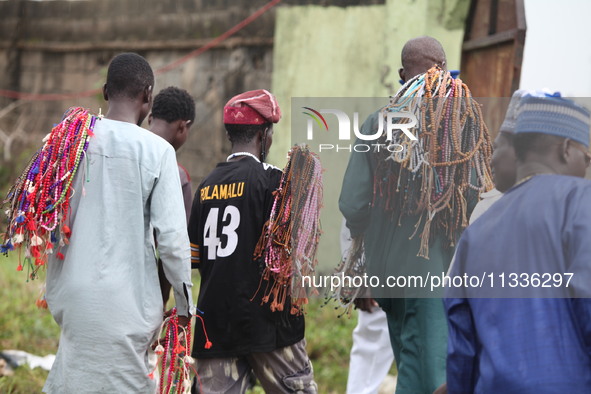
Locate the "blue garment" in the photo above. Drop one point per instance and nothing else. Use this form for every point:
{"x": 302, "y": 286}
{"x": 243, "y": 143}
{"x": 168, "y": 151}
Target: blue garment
{"x": 524, "y": 345}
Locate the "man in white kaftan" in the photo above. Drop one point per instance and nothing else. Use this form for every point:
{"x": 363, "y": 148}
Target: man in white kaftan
{"x": 105, "y": 294}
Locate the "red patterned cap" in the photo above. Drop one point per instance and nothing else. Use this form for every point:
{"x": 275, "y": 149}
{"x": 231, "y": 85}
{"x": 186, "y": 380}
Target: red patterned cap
{"x": 252, "y": 107}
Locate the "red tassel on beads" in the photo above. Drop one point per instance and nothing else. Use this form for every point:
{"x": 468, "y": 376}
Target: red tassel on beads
{"x": 31, "y": 226}
{"x": 208, "y": 343}
{"x": 179, "y": 349}
{"x": 175, "y": 364}
{"x": 35, "y": 252}
{"x": 60, "y": 255}
{"x": 41, "y": 303}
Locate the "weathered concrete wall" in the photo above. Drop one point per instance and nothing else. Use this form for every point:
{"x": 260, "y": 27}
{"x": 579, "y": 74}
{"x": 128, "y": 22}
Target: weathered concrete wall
{"x": 65, "y": 47}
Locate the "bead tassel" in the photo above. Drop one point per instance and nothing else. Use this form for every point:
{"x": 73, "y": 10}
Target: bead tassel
{"x": 39, "y": 201}
{"x": 174, "y": 361}
{"x": 450, "y": 158}
{"x": 289, "y": 241}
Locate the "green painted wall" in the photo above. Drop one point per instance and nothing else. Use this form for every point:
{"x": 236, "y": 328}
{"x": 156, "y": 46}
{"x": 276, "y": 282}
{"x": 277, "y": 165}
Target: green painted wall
{"x": 324, "y": 51}
{"x": 345, "y": 52}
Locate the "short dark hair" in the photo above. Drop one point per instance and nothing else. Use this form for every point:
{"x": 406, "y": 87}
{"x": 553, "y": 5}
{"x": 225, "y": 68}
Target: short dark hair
{"x": 540, "y": 143}
{"x": 128, "y": 75}
{"x": 173, "y": 104}
{"x": 422, "y": 53}
{"x": 244, "y": 133}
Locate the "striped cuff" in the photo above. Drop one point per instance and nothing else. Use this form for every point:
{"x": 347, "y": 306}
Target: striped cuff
{"x": 194, "y": 255}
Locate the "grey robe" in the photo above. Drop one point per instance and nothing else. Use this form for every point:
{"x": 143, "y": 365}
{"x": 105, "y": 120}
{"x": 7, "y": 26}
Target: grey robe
{"x": 105, "y": 294}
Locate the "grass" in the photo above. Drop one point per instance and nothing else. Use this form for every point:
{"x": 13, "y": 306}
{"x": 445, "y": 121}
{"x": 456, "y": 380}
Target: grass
{"x": 24, "y": 327}
{"x": 329, "y": 343}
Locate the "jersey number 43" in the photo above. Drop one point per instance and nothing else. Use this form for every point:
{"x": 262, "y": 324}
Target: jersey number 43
{"x": 229, "y": 222}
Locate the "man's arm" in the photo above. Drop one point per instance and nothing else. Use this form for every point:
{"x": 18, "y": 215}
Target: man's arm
{"x": 187, "y": 196}
{"x": 461, "y": 346}
{"x": 187, "y": 192}
{"x": 357, "y": 190}
{"x": 576, "y": 234}
{"x": 462, "y": 343}
{"x": 576, "y": 238}
{"x": 168, "y": 219}
{"x": 164, "y": 284}
{"x": 194, "y": 231}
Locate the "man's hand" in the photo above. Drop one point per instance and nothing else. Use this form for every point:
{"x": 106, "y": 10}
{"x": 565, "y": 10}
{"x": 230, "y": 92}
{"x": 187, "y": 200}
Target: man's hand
{"x": 365, "y": 304}
{"x": 356, "y": 246}
{"x": 183, "y": 322}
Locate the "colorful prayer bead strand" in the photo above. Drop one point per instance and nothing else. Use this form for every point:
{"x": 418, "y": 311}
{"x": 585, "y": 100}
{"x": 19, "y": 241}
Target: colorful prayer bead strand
{"x": 38, "y": 202}
{"x": 289, "y": 242}
{"x": 453, "y": 142}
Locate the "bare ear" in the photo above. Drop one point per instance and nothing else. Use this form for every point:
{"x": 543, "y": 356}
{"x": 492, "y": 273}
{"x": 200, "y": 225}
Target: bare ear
{"x": 265, "y": 133}
{"x": 105, "y": 94}
{"x": 148, "y": 94}
{"x": 150, "y": 117}
{"x": 181, "y": 126}
{"x": 564, "y": 150}
{"x": 401, "y": 74}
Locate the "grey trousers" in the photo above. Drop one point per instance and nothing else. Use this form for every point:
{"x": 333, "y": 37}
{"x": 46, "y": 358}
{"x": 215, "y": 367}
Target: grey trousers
{"x": 285, "y": 370}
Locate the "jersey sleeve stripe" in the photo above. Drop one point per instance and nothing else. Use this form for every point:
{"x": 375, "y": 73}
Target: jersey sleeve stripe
{"x": 194, "y": 254}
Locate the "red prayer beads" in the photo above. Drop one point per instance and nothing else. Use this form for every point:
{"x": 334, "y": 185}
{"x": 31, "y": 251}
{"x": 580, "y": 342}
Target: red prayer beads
{"x": 38, "y": 203}
{"x": 174, "y": 360}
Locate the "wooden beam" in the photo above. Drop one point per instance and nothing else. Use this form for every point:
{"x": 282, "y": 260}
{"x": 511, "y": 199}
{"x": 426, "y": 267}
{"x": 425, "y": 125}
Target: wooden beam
{"x": 499, "y": 38}
{"x": 519, "y": 45}
{"x": 493, "y": 17}
{"x": 520, "y": 15}
{"x": 469, "y": 21}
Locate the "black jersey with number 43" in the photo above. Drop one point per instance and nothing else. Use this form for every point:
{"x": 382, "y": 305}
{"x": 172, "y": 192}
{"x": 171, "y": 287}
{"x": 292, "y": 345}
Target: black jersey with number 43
{"x": 229, "y": 211}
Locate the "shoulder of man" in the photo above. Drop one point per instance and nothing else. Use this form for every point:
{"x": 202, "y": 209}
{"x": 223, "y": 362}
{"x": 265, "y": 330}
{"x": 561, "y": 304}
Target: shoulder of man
{"x": 152, "y": 138}
{"x": 274, "y": 174}
{"x": 573, "y": 187}
{"x": 149, "y": 139}
{"x": 370, "y": 125}
{"x": 271, "y": 167}
{"x": 147, "y": 144}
